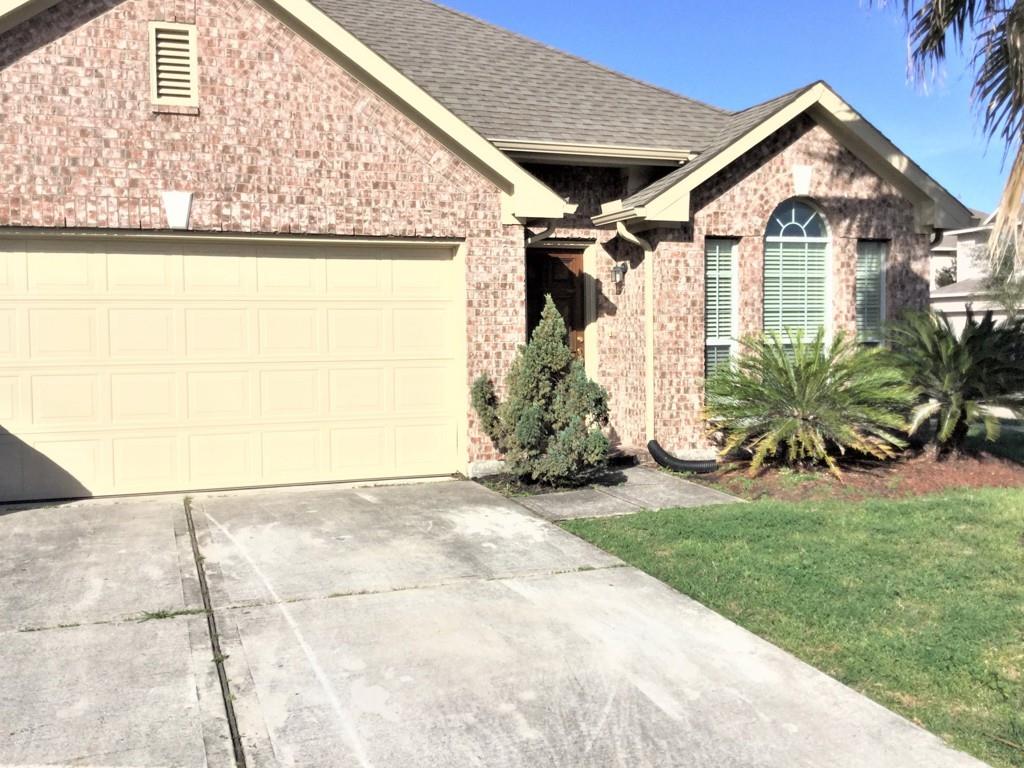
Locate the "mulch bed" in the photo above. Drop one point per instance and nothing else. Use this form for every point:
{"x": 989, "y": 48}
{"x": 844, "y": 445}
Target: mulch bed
{"x": 911, "y": 476}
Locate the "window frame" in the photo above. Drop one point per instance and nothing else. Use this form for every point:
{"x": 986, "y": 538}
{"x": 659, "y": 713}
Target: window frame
{"x": 718, "y": 342}
{"x": 828, "y": 321}
{"x": 883, "y": 298}
{"x": 192, "y": 100}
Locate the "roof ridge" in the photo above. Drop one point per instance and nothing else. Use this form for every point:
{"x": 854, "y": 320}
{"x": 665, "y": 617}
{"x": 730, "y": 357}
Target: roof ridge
{"x": 588, "y": 62}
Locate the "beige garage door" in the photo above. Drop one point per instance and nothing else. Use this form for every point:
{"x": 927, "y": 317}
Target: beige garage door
{"x": 136, "y": 367}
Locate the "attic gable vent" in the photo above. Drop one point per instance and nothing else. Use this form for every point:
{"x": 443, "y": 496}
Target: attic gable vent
{"x": 173, "y": 64}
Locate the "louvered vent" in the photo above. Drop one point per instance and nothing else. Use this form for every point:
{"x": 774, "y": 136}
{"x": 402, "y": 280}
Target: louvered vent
{"x": 173, "y": 64}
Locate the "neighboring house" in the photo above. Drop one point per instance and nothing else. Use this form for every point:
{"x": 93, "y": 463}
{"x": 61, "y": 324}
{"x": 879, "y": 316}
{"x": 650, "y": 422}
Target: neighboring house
{"x": 962, "y": 252}
{"x": 249, "y": 243}
{"x": 966, "y": 252}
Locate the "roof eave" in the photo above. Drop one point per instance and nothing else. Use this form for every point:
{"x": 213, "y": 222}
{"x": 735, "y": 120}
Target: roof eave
{"x": 935, "y": 207}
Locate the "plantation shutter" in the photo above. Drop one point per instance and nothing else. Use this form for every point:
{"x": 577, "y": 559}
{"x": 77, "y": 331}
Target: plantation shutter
{"x": 173, "y": 64}
{"x": 794, "y": 286}
{"x": 719, "y": 301}
{"x": 870, "y": 290}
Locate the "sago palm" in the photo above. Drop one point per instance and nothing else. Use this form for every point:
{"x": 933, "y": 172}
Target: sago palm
{"x": 961, "y": 377}
{"x": 804, "y": 402}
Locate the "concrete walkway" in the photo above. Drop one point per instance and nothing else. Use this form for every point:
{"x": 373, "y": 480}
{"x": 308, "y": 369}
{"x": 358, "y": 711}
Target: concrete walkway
{"x": 427, "y": 625}
{"x": 641, "y": 488}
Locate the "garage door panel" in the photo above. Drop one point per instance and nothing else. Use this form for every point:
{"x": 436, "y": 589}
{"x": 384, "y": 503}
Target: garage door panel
{"x": 144, "y": 398}
{"x": 12, "y": 270}
{"x": 144, "y": 463}
{"x": 219, "y": 459}
{"x": 422, "y": 331}
{"x": 359, "y": 391}
{"x": 289, "y": 332}
{"x": 61, "y": 333}
{"x": 290, "y": 394}
{"x": 423, "y": 389}
{"x": 147, "y": 367}
{"x": 362, "y": 451}
{"x": 65, "y": 399}
{"x": 281, "y": 273}
{"x": 361, "y": 274}
{"x": 359, "y": 331}
{"x": 57, "y": 467}
{"x": 139, "y": 272}
{"x": 8, "y": 334}
{"x": 58, "y": 272}
{"x": 218, "y": 396}
{"x": 292, "y": 455}
{"x": 142, "y": 333}
{"x": 219, "y": 272}
{"x": 10, "y": 401}
{"x": 217, "y": 333}
{"x": 418, "y": 446}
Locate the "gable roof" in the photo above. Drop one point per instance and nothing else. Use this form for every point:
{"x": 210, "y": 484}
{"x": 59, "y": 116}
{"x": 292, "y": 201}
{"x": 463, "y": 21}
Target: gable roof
{"x": 509, "y": 87}
{"x": 668, "y": 199}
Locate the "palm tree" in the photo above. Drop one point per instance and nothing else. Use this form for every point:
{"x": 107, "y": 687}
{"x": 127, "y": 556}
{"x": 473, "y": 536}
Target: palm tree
{"x": 995, "y": 29}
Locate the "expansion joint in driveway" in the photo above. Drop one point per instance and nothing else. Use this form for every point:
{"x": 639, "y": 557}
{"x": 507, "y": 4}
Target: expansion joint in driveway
{"x": 218, "y": 656}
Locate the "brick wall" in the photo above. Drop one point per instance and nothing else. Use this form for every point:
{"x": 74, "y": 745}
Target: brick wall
{"x": 737, "y": 203}
{"x": 284, "y": 141}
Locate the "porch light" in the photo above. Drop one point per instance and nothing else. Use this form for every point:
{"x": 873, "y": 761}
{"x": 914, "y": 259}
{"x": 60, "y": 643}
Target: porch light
{"x": 619, "y": 275}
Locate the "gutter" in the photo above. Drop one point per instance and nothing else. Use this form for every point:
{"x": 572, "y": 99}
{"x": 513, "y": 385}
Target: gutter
{"x": 659, "y": 454}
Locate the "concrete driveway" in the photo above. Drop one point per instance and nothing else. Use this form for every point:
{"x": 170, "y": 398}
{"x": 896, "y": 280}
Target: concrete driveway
{"x": 426, "y": 625}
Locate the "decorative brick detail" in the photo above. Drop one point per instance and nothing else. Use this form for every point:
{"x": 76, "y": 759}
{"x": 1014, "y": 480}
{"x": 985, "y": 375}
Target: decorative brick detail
{"x": 285, "y": 141}
{"x": 856, "y": 203}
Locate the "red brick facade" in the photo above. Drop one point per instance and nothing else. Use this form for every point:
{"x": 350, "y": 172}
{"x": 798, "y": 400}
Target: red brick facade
{"x": 285, "y": 141}
{"x": 856, "y": 203}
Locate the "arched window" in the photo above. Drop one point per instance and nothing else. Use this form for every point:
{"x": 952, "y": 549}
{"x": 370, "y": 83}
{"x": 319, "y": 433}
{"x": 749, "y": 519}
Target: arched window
{"x": 795, "y": 269}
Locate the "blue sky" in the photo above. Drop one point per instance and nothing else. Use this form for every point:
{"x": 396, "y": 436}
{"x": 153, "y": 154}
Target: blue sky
{"x": 735, "y": 53}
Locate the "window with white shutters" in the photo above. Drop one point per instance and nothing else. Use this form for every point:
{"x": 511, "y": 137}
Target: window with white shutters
{"x": 870, "y": 290}
{"x": 795, "y": 270}
{"x": 174, "y": 79}
{"x": 719, "y": 301}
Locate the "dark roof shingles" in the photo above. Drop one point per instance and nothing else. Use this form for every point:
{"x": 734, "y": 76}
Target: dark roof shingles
{"x": 507, "y": 86}
{"x": 738, "y": 125}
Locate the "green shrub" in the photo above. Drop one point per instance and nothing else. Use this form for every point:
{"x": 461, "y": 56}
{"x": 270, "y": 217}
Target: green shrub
{"x": 549, "y": 426}
{"x": 806, "y": 402}
{"x": 960, "y": 377}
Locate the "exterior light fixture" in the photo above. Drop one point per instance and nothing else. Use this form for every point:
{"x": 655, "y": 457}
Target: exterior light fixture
{"x": 619, "y": 275}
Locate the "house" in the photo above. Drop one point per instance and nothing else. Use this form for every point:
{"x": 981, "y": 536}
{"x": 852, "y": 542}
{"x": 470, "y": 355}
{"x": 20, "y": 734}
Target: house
{"x": 251, "y": 242}
{"x": 964, "y": 254}
{"x": 961, "y": 254}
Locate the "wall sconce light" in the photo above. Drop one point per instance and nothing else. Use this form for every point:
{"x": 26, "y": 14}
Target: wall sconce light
{"x": 619, "y": 275}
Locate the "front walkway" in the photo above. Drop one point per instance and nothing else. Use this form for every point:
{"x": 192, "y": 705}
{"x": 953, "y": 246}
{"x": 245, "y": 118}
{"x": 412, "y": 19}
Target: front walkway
{"x": 642, "y": 488}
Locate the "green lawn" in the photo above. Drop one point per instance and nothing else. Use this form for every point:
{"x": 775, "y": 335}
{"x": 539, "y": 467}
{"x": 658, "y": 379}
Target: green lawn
{"x": 918, "y": 603}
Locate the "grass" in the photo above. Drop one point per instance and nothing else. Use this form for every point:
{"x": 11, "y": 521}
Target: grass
{"x": 917, "y": 603}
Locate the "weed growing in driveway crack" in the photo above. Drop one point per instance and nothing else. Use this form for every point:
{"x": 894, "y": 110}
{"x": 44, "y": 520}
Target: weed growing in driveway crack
{"x": 169, "y": 614}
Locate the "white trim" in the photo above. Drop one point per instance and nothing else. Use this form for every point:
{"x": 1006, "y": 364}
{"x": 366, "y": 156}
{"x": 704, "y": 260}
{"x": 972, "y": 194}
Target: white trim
{"x": 934, "y": 205}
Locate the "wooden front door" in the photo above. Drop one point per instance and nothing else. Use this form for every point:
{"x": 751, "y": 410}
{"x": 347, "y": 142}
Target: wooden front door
{"x": 560, "y": 274}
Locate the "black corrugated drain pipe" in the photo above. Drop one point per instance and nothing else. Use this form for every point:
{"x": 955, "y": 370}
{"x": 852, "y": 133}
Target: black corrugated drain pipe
{"x": 667, "y": 460}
